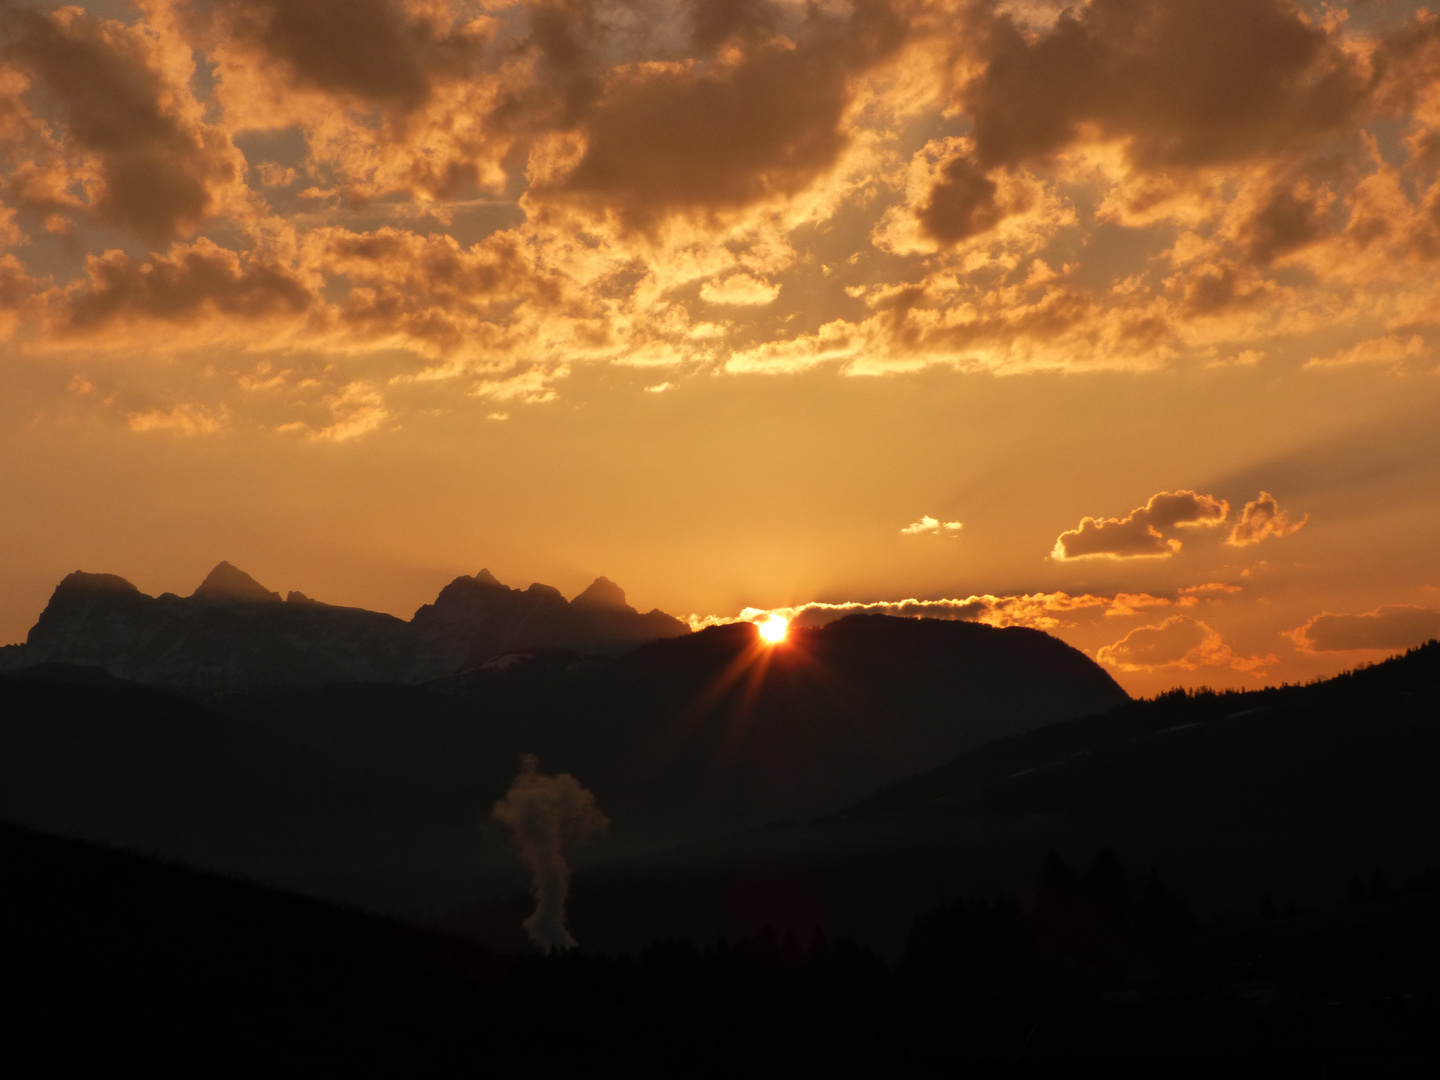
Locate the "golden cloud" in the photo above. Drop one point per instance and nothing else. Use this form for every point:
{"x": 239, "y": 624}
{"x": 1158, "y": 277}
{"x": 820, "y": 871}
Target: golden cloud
{"x": 1038, "y": 611}
{"x": 1178, "y": 642}
{"x": 426, "y": 189}
{"x": 1262, "y": 519}
{"x": 1388, "y": 628}
{"x": 1139, "y": 534}
{"x": 929, "y": 526}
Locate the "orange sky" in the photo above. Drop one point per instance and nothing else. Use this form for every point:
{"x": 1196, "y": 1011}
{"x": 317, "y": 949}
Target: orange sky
{"x": 741, "y": 303}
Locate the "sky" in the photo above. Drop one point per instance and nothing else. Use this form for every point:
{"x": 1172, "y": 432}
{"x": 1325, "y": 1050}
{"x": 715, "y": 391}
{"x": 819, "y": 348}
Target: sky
{"x": 1115, "y": 319}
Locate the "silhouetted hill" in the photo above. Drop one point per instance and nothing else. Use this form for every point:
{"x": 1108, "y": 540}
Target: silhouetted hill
{"x": 115, "y": 958}
{"x": 233, "y": 633}
{"x": 717, "y": 730}
{"x": 373, "y": 792}
{"x": 1284, "y": 791}
{"x": 119, "y": 961}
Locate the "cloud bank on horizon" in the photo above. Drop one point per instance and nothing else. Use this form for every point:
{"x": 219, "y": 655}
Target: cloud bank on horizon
{"x": 351, "y": 206}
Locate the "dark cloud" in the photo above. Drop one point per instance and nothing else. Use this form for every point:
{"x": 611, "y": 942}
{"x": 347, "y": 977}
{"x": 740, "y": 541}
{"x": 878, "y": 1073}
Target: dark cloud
{"x": 680, "y": 138}
{"x": 16, "y": 285}
{"x": 1287, "y": 220}
{"x": 1186, "y": 83}
{"x": 187, "y": 285}
{"x": 714, "y": 22}
{"x": 158, "y": 170}
{"x": 1219, "y": 287}
{"x": 1141, "y": 533}
{"x": 962, "y": 203}
{"x": 374, "y": 50}
{"x": 1392, "y": 627}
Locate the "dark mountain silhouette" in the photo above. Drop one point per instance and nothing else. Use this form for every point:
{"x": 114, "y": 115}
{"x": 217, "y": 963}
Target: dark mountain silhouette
{"x": 372, "y": 792}
{"x": 1234, "y": 795}
{"x": 233, "y": 633}
{"x": 716, "y": 731}
{"x": 477, "y": 618}
{"x": 114, "y": 957}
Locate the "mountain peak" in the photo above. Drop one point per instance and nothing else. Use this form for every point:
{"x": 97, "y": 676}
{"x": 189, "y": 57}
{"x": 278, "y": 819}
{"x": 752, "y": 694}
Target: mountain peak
{"x": 485, "y": 577}
{"x": 229, "y": 583}
{"x": 97, "y": 582}
{"x": 604, "y": 594}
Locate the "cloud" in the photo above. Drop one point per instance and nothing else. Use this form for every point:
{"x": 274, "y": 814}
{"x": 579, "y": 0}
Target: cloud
{"x": 1262, "y": 519}
{"x": 759, "y": 124}
{"x": 1140, "y": 534}
{"x": 190, "y": 284}
{"x": 452, "y": 192}
{"x": 740, "y": 289}
{"x": 1176, "y": 83}
{"x": 929, "y": 526}
{"x": 185, "y": 420}
{"x": 135, "y": 141}
{"x": 1039, "y": 611}
{"x": 1389, "y": 351}
{"x": 377, "y": 51}
{"x": 1390, "y": 627}
{"x": 1178, "y": 642}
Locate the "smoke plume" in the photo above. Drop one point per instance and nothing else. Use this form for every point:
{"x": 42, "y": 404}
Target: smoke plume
{"x": 542, "y": 812}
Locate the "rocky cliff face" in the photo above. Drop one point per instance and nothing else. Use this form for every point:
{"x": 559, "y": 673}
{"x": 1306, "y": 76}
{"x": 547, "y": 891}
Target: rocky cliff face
{"x": 232, "y": 632}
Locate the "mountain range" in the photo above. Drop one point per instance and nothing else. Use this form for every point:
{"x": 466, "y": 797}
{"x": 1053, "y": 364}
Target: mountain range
{"x": 372, "y": 792}
{"x": 232, "y": 632}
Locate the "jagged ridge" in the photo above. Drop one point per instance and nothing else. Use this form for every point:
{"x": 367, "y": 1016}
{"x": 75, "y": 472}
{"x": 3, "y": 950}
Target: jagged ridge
{"x": 232, "y": 632}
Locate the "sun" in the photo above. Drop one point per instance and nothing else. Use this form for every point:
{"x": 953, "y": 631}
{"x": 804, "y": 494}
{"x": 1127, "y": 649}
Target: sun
{"x": 773, "y": 629}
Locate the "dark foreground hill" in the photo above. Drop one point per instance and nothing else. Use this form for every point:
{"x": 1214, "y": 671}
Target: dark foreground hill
{"x": 1287, "y": 792}
{"x": 119, "y": 961}
{"x": 376, "y": 794}
{"x": 233, "y": 633}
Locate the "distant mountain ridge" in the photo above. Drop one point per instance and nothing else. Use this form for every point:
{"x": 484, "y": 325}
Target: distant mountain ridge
{"x": 232, "y": 632}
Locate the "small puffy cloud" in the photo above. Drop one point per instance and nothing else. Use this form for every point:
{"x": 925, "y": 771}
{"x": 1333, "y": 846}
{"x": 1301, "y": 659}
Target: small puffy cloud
{"x": 951, "y": 202}
{"x": 529, "y": 386}
{"x": 356, "y": 410}
{"x": 1211, "y": 587}
{"x": 929, "y": 526}
{"x": 1389, "y": 351}
{"x": 1262, "y": 519}
{"x": 1141, "y": 533}
{"x": 187, "y": 419}
{"x": 1390, "y": 627}
{"x": 1133, "y": 603}
{"x": 1177, "y": 642}
{"x": 740, "y": 290}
